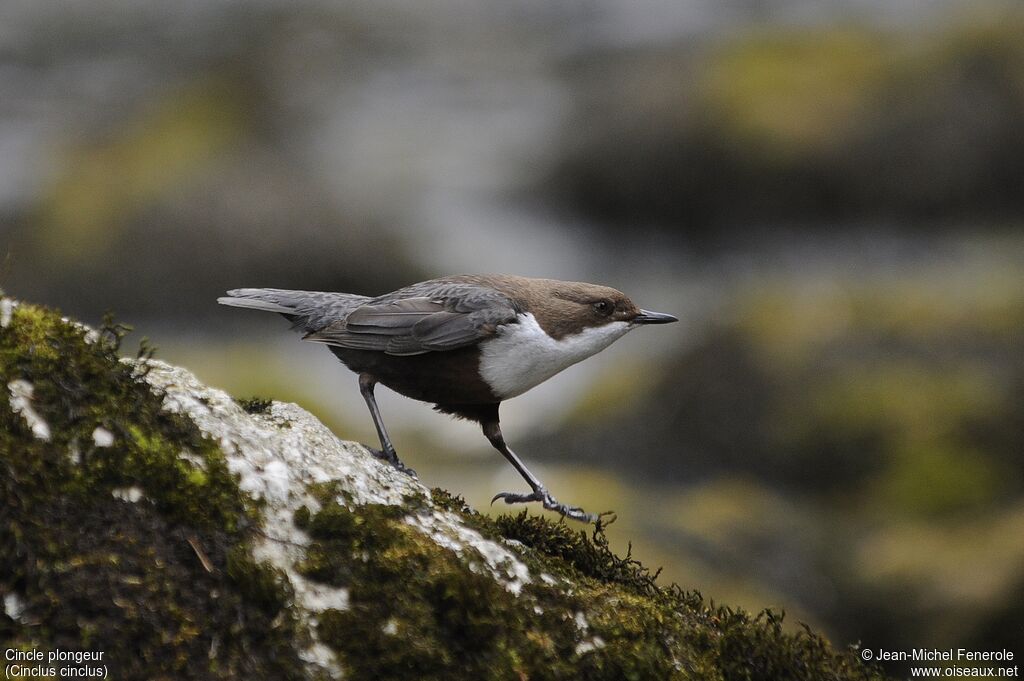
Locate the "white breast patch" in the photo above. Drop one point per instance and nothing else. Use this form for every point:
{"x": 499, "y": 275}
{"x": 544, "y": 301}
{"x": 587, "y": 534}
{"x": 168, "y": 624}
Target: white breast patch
{"x": 522, "y": 355}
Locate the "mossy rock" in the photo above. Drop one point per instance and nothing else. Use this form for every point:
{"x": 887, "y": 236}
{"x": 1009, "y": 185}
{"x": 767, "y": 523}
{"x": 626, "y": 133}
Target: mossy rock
{"x": 186, "y": 535}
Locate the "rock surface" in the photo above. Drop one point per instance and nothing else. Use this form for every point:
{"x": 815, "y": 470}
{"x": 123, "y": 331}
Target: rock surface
{"x": 184, "y": 534}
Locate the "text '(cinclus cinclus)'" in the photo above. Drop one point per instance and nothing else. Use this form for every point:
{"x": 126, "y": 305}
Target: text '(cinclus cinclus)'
{"x": 465, "y": 343}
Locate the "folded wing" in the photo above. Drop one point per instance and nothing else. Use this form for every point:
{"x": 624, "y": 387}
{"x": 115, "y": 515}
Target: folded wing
{"x": 420, "y": 324}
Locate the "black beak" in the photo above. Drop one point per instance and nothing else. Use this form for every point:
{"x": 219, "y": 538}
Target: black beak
{"x": 646, "y": 317}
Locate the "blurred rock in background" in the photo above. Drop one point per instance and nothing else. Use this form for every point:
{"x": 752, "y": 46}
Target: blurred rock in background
{"x": 830, "y": 195}
{"x": 817, "y": 128}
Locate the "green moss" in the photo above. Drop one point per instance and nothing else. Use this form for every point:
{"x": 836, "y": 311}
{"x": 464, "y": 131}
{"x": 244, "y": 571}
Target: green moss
{"x": 165, "y": 579}
{"x": 79, "y": 386}
{"x": 419, "y": 610}
{"x": 261, "y": 584}
{"x": 301, "y": 517}
{"x": 255, "y": 405}
{"x": 447, "y": 501}
{"x": 591, "y": 557}
{"x": 446, "y": 618}
{"x": 328, "y": 492}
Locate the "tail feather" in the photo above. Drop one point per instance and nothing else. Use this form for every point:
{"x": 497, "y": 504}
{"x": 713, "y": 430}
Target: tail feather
{"x": 237, "y": 298}
{"x": 308, "y": 311}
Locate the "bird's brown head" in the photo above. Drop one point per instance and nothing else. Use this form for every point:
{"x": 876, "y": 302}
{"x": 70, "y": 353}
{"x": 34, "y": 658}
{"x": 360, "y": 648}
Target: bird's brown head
{"x": 565, "y": 308}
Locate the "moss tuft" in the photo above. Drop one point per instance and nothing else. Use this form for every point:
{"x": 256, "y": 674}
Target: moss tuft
{"x": 591, "y": 557}
{"x": 255, "y": 405}
{"x": 447, "y": 501}
{"x": 165, "y": 578}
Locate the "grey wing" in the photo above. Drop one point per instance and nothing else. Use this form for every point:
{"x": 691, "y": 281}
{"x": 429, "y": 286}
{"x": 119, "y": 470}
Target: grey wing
{"x": 414, "y": 326}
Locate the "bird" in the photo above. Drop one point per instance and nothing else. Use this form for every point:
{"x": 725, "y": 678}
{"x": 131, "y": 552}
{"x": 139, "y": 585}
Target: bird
{"x": 465, "y": 343}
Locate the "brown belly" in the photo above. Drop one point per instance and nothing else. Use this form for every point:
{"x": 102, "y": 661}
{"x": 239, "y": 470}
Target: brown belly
{"x": 445, "y": 378}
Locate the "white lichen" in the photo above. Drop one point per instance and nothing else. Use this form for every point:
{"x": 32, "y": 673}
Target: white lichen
{"x": 6, "y": 312}
{"x": 13, "y": 606}
{"x": 447, "y": 530}
{"x": 275, "y": 476}
{"x": 193, "y": 458}
{"x": 583, "y": 627}
{"x": 319, "y": 656}
{"x": 130, "y": 494}
{"x": 21, "y": 403}
{"x": 90, "y": 335}
{"x": 590, "y": 645}
{"x": 102, "y": 437}
{"x": 319, "y": 597}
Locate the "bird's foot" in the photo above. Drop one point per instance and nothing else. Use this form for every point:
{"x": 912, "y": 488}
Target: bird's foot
{"x": 392, "y": 458}
{"x": 549, "y": 502}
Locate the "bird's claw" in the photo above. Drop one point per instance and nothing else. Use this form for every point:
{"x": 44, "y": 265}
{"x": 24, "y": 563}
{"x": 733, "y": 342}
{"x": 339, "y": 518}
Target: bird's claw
{"x": 402, "y": 468}
{"x": 514, "y": 498}
{"x": 549, "y": 502}
{"x": 392, "y": 458}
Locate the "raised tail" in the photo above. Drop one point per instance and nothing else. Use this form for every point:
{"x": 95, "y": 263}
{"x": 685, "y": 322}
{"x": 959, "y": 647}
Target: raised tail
{"x": 308, "y": 311}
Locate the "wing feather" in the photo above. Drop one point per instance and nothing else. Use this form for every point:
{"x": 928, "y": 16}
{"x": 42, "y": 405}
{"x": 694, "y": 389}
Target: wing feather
{"x": 420, "y": 324}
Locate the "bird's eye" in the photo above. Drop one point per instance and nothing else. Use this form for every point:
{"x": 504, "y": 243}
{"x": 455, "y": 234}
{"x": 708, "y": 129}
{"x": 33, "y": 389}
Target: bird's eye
{"x": 603, "y": 307}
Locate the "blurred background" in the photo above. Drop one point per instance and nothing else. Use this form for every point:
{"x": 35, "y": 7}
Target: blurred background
{"x": 829, "y": 195}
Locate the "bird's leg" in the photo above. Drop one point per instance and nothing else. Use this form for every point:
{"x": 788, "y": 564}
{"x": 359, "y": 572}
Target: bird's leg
{"x": 493, "y": 432}
{"x": 387, "y": 452}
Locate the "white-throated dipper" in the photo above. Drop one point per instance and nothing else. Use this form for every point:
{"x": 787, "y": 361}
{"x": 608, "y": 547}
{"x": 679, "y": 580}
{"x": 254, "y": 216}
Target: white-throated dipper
{"x": 465, "y": 343}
